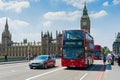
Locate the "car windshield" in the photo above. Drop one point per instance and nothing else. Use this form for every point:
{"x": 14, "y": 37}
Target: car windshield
{"x": 73, "y": 53}
{"x": 41, "y": 58}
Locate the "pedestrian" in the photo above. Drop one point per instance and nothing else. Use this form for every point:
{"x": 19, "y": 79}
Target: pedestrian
{"x": 113, "y": 58}
{"x": 104, "y": 59}
{"x": 6, "y": 57}
{"x": 28, "y": 57}
{"x": 118, "y": 59}
{"x": 109, "y": 58}
{"x": 34, "y": 56}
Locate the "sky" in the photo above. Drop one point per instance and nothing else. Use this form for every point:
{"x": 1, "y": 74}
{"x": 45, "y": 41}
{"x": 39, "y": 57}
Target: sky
{"x": 28, "y": 18}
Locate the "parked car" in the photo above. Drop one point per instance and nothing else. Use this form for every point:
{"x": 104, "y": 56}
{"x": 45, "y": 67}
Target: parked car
{"x": 42, "y": 61}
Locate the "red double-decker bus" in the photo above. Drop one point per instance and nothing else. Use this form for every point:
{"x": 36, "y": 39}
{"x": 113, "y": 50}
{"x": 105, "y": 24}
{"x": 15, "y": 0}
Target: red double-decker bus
{"x": 97, "y": 52}
{"x": 77, "y": 48}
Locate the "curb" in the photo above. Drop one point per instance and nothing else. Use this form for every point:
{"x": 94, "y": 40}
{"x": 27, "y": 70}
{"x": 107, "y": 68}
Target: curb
{"x": 11, "y": 62}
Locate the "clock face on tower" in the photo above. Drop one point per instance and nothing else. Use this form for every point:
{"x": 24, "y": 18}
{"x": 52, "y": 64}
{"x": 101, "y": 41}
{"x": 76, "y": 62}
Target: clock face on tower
{"x": 84, "y": 24}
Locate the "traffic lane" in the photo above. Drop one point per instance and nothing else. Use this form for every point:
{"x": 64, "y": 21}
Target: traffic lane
{"x": 13, "y": 71}
{"x": 63, "y": 74}
{"x": 24, "y": 74}
{"x": 59, "y": 74}
{"x": 96, "y": 73}
{"x": 93, "y": 72}
{"x": 6, "y": 69}
{"x": 11, "y": 66}
{"x": 21, "y": 71}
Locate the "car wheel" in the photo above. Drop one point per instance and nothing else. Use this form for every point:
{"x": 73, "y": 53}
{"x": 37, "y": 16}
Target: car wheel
{"x": 45, "y": 66}
{"x": 31, "y": 67}
{"x": 54, "y": 64}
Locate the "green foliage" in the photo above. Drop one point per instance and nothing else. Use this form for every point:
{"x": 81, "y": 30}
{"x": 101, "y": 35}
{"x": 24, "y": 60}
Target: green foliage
{"x": 105, "y": 50}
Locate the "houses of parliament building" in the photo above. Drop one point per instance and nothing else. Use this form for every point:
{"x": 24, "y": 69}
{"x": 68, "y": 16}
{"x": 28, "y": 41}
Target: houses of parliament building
{"x": 46, "y": 46}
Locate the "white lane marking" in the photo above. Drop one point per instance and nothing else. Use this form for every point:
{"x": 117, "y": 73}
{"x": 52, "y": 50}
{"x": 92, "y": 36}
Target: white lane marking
{"x": 13, "y": 71}
{"x": 87, "y": 73}
{"x": 43, "y": 74}
{"x": 94, "y": 66}
{"x": 84, "y": 76}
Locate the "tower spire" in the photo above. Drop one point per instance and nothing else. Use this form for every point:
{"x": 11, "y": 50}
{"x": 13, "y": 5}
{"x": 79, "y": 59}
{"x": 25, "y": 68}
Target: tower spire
{"x": 85, "y": 9}
{"x": 85, "y": 5}
{"x": 6, "y": 36}
{"x": 6, "y": 25}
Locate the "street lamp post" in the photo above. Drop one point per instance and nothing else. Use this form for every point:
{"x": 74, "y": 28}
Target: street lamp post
{"x": 28, "y": 51}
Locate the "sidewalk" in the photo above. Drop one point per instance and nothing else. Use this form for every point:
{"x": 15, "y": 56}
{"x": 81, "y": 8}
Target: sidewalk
{"x": 112, "y": 72}
{"x": 10, "y": 62}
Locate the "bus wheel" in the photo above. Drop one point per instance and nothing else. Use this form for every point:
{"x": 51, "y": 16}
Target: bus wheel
{"x": 68, "y": 67}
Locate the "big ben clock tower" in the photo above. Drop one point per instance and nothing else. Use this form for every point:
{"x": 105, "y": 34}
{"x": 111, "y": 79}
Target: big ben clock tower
{"x": 85, "y": 21}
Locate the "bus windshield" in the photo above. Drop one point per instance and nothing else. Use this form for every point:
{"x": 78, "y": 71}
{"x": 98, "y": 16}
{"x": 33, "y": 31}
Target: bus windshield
{"x": 73, "y": 35}
{"x": 96, "y": 53}
{"x": 73, "y": 53}
{"x": 97, "y": 47}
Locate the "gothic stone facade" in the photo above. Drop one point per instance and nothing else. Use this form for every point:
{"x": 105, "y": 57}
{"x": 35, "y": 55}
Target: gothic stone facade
{"x": 116, "y": 44}
{"x": 46, "y": 46}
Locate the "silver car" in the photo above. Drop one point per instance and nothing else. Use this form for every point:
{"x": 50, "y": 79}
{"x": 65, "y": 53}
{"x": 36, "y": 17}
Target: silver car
{"x": 42, "y": 61}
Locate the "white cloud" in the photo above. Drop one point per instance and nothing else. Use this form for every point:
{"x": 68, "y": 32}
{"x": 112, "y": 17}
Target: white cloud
{"x": 115, "y": 2}
{"x": 47, "y": 24}
{"x": 99, "y": 14}
{"x": 77, "y": 3}
{"x": 62, "y": 15}
{"x": 16, "y": 6}
{"x": 106, "y": 3}
{"x": 31, "y": 37}
{"x": 15, "y": 25}
{"x": 34, "y": 0}
{"x": 16, "y": 28}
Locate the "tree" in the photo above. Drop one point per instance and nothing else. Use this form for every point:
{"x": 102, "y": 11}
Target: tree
{"x": 102, "y": 50}
{"x": 105, "y": 50}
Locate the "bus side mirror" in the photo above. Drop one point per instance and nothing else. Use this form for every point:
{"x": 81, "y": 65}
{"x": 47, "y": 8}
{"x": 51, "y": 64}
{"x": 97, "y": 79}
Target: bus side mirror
{"x": 86, "y": 48}
{"x": 60, "y": 52}
{"x": 60, "y": 49}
